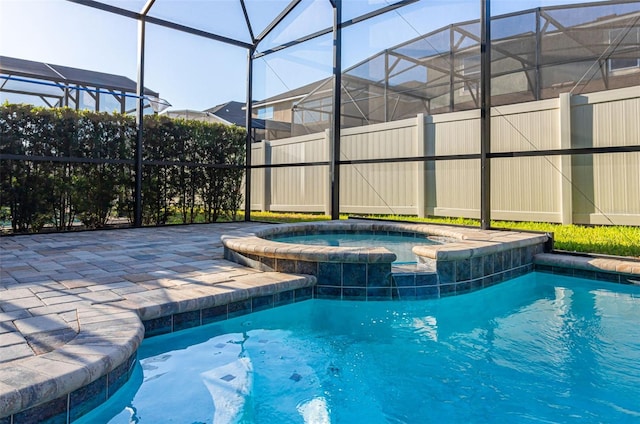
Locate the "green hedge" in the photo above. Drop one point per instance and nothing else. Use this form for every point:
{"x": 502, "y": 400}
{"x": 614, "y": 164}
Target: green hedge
{"x": 49, "y": 191}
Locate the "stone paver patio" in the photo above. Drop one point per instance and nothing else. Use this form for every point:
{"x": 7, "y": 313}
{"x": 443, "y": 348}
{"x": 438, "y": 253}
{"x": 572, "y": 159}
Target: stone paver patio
{"x": 72, "y": 305}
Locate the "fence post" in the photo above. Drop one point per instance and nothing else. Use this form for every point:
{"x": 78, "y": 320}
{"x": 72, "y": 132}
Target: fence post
{"x": 327, "y": 186}
{"x": 566, "y": 190}
{"x": 265, "y": 156}
{"x": 421, "y": 196}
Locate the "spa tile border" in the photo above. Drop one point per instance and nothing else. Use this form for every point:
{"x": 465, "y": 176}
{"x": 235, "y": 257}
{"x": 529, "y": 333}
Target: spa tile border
{"x": 471, "y": 259}
{"x": 419, "y": 286}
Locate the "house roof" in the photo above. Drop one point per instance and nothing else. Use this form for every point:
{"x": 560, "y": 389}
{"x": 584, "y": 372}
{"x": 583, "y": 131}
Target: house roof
{"x": 235, "y": 113}
{"x": 232, "y": 112}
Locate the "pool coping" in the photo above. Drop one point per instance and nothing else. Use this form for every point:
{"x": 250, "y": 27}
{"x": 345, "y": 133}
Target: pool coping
{"x": 466, "y": 241}
{"x": 611, "y": 269}
{"x": 109, "y": 336}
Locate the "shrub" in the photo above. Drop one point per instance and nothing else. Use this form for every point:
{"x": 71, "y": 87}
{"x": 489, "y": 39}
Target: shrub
{"x": 61, "y": 165}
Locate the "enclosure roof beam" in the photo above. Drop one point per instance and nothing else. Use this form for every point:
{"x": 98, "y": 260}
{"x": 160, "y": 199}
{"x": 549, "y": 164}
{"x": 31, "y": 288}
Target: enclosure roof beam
{"x": 198, "y": 32}
{"x": 67, "y": 83}
{"x": 413, "y": 60}
{"x": 294, "y": 42}
{"x": 317, "y": 89}
{"x": 147, "y": 7}
{"x": 366, "y": 84}
{"x": 107, "y": 8}
{"x": 378, "y": 12}
{"x": 29, "y": 93}
{"x": 415, "y": 64}
{"x": 564, "y": 30}
{"x": 277, "y": 20}
{"x": 457, "y": 27}
{"x": 427, "y": 63}
{"x": 344, "y": 24}
{"x": 247, "y": 21}
{"x": 161, "y": 22}
{"x": 496, "y": 48}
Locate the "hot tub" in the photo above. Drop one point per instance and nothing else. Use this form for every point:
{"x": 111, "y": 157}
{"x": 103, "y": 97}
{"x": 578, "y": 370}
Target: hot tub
{"x": 457, "y": 260}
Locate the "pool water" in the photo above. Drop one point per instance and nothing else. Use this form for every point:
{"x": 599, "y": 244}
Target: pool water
{"x": 539, "y": 348}
{"x": 400, "y": 245}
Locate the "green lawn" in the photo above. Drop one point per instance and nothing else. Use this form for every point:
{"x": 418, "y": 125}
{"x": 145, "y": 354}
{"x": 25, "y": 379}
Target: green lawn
{"x": 609, "y": 240}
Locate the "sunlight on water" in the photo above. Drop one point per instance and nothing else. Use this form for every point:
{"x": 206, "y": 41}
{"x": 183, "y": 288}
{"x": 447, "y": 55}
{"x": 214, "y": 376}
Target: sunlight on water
{"x": 540, "y": 348}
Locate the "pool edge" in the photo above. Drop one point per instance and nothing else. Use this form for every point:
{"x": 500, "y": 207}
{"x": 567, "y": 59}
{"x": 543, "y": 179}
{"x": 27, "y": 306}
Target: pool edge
{"x": 613, "y": 270}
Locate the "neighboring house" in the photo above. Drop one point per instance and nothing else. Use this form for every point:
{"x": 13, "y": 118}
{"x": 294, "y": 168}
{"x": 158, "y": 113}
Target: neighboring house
{"x": 194, "y": 115}
{"x": 536, "y": 54}
{"x": 230, "y": 113}
{"x": 235, "y": 113}
{"x": 263, "y": 126}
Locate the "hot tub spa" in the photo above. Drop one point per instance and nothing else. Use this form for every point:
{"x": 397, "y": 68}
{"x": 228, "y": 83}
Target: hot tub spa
{"x": 448, "y": 260}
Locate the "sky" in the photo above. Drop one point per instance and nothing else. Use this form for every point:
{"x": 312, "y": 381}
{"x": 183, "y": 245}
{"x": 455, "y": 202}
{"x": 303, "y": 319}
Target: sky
{"x": 192, "y": 72}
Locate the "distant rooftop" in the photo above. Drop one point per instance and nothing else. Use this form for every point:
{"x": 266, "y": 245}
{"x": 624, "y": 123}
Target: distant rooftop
{"x": 232, "y": 112}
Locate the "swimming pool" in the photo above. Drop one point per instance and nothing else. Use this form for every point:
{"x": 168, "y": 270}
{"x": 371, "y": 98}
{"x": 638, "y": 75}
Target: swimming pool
{"x": 540, "y": 347}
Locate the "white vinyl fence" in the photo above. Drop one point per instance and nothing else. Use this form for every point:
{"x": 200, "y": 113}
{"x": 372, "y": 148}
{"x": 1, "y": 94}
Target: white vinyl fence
{"x": 583, "y": 189}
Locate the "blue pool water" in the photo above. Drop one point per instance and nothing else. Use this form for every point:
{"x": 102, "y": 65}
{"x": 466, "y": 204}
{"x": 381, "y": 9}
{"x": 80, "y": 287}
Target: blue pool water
{"x": 399, "y": 245}
{"x": 539, "y": 348}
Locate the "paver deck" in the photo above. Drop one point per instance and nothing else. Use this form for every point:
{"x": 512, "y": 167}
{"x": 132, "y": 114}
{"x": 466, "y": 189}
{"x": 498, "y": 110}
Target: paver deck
{"x": 72, "y": 304}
